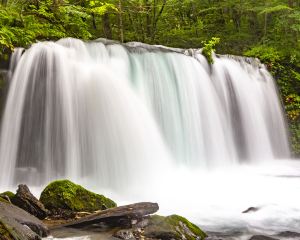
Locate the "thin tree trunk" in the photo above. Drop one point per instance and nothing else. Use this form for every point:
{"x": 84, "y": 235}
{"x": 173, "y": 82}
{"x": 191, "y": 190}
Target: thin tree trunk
{"x": 106, "y": 26}
{"x": 156, "y": 20}
{"x": 121, "y": 29}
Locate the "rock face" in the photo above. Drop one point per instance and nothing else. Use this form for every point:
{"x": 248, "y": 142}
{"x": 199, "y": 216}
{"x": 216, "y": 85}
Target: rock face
{"x": 17, "y": 224}
{"x": 63, "y": 194}
{"x": 25, "y": 200}
{"x": 172, "y": 227}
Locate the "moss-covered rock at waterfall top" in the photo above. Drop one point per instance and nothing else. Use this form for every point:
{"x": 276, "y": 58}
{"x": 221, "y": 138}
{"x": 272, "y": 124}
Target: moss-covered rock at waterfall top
{"x": 172, "y": 227}
{"x": 64, "y": 194}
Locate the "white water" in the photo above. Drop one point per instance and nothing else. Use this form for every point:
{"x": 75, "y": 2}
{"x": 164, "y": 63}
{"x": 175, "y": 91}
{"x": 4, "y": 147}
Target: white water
{"x": 136, "y": 118}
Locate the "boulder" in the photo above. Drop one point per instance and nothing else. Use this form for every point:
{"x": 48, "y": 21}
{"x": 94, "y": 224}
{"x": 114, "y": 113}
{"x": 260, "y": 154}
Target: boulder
{"x": 19, "y": 224}
{"x": 25, "y": 200}
{"x": 172, "y": 227}
{"x": 66, "y": 195}
{"x": 8, "y": 194}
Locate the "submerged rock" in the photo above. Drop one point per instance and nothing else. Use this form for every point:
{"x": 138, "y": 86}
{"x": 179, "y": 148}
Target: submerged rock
{"x": 18, "y": 224}
{"x": 251, "y": 209}
{"x": 66, "y": 195}
{"x": 172, "y": 227}
{"x": 262, "y": 237}
{"x": 25, "y": 200}
{"x": 125, "y": 234}
{"x": 289, "y": 234}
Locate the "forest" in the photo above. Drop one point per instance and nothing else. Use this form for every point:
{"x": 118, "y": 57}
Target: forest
{"x": 269, "y": 30}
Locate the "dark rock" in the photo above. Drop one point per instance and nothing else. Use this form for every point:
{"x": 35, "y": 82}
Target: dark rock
{"x": 12, "y": 230}
{"x": 288, "y": 234}
{"x": 172, "y": 227}
{"x": 124, "y": 234}
{"x": 64, "y": 194}
{"x": 25, "y": 200}
{"x": 115, "y": 217}
{"x": 251, "y": 209}
{"x": 17, "y": 221}
{"x": 262, "y": 237}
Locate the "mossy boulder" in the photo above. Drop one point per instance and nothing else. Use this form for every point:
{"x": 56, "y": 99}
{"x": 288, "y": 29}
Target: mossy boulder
{"x": 66, "y": 195}
{"x": 8, "y": 194}
{"x": 172, "y": 227}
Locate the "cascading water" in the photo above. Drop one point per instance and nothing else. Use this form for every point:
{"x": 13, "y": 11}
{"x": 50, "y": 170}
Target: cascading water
{"x": 110, "y": 113}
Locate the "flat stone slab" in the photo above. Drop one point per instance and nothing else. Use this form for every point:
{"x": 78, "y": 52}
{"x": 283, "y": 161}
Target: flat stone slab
{"x": 114, "y": 216}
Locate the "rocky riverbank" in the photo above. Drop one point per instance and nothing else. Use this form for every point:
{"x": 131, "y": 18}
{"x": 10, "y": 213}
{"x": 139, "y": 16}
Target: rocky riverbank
{"x": 64, "y": 204}
{"x": 66, "y": 209}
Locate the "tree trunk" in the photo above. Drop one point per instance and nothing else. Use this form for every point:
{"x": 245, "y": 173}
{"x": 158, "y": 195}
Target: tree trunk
{"x": 121, "y": 29}
{"x": 148, "y": 18}
{"x": 106, "y": 26}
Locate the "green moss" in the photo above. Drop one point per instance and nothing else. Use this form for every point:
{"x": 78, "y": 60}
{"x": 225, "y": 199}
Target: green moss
{"x": 64, "y": 194}
{"x": 176, "y": 219}
{"x": 178, "y": 225}
{"x": 3, "y": 200}
{"x": 4, "y": 233}
{"x": 7, "y": 193}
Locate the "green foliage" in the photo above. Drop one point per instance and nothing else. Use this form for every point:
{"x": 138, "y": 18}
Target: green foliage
{"x": 101, "y": 8}
{"x": 209, "y": 49}
{"x": 266, "y": 54}
{"x": 275, "y": 9}
{"x": 63, "y": 194}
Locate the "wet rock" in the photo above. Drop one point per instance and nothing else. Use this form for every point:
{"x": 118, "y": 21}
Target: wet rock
{"x": 25, "y": 200}
{"x": 172, "y": 227}
{"x": 288, "y": 234}
{"x": 124, "y": 234}
{"x": 19, "y": 224}
{"x": 66, "y": 195}
{"x": 123, "y": 216}
{"x": 262, "y": 237}
{"x": 12, "y": 230}
{"x": 251, "y": 209}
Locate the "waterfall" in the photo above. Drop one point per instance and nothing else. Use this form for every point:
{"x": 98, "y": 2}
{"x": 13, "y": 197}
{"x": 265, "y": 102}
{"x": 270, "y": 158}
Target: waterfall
{"x": 116, "y": 114}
